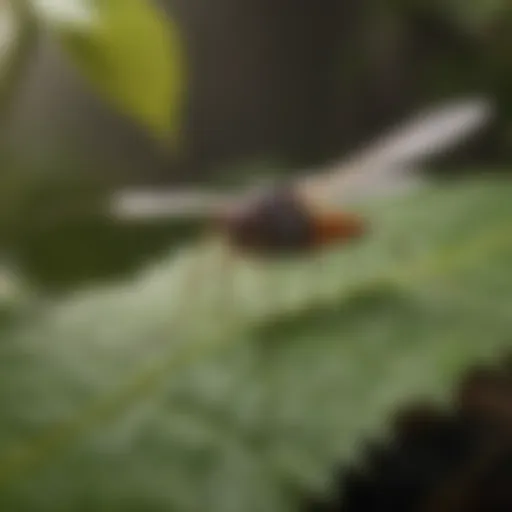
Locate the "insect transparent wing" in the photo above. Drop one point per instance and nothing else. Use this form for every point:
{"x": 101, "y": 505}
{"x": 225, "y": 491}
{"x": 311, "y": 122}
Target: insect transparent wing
{"x": 391, "y": 159}
{"x": 383, "y": 167}
{"x": 139, "y": 204}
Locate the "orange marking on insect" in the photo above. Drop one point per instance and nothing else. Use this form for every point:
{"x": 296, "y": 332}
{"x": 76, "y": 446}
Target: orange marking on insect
{"x": 337, "y": 227}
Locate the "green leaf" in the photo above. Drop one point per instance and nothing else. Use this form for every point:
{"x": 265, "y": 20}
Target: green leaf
{"x": 202, "y": 385}
{"x": 131, "y": 53}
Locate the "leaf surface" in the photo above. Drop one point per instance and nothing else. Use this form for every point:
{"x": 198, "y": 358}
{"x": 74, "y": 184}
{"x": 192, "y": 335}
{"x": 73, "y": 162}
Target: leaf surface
{"x": 205, "y": 386}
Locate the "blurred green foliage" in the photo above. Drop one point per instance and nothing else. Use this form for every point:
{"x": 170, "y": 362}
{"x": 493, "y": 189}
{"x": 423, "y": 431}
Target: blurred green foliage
{"x": 128, "y": 50}
{"x": 54, "y": 224}
{"x": 51, "y": 219}
{"x": 201, "y": 386}
{"x": 132, "y": 54}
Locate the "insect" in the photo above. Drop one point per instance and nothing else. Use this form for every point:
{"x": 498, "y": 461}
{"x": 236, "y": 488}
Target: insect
{"x": 310, "y": 213}
{"x": 317, "y": 210}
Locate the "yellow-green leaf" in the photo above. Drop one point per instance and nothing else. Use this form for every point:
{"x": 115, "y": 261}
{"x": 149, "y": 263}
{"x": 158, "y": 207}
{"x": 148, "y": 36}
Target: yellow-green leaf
{"x": 131, "y": 53}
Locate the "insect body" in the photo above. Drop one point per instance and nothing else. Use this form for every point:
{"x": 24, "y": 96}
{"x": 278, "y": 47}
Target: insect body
{"x": 281, "y": 223}
{"x": 301, "y": 217}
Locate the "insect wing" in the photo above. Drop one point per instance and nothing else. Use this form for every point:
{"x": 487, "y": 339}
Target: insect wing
{"x": 384, "y": 167}
{"x": 138, "y": 204}
{"x": 389, "y": 162}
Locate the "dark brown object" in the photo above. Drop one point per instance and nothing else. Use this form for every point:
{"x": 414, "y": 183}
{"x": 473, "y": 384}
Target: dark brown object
{"x": 456, "y": 460}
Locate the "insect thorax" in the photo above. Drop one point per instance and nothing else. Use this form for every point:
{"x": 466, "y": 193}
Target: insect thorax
{"x": 277, "y": 223}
